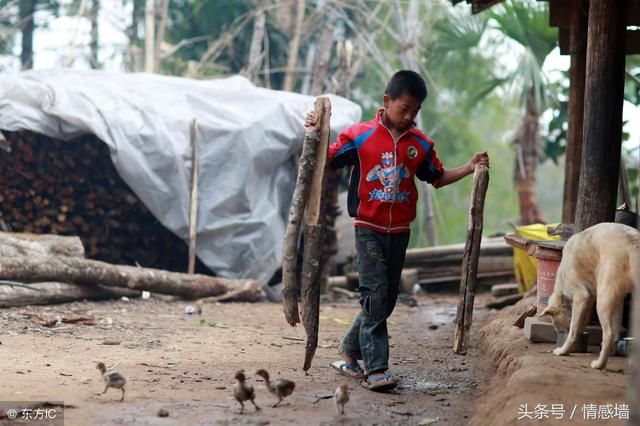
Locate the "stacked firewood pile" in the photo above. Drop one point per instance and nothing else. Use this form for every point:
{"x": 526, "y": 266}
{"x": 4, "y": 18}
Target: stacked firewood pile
{"x": 48, "y": 186}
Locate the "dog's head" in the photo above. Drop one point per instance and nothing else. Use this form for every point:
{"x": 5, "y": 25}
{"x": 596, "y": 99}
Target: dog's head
{"x": 559, "y": 309}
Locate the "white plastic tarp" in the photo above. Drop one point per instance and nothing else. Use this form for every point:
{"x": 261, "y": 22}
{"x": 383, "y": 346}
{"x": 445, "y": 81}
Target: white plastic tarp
{"x": 248, "y": 137}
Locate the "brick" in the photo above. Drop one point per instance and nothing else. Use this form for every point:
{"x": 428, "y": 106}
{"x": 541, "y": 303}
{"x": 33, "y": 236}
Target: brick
{"x": 538, "y": 331}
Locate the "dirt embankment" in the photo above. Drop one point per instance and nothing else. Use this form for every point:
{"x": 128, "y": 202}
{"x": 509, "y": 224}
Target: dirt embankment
{"x": 532, "y": 386}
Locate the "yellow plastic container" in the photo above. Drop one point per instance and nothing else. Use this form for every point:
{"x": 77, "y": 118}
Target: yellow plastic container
{"x": 525, "y": 266}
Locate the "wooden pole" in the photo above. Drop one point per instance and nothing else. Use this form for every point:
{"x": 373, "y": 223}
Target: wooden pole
{"x": 292, "y": 234}
{"x": 464, "y": 315}
{"x": 623, "y": 185}
{"x": 633, "y": 390}
{"x": 313, "y": 257}
{"x": 600, "y": 163}
{"x": 573, "y": 155}
{"x": 193, "y": 216}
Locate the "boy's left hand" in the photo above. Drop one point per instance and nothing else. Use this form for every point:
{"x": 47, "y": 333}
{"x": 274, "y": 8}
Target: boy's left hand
{"x": 479, "y": 158}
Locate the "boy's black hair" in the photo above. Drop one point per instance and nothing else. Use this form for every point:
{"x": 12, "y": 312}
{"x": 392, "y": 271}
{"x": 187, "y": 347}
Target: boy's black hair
{"x": 406, "y": 81}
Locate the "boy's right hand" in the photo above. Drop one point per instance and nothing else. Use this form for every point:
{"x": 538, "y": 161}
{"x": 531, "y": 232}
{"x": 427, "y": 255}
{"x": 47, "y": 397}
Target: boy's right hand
{"x": 311, "y": 119}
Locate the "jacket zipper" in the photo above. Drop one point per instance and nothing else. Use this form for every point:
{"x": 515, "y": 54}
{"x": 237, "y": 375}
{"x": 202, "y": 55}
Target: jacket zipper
{"x": 396, "y": 186}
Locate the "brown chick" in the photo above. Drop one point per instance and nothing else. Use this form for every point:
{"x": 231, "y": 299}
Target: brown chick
{"x": 243, "y": 391}
{"x": 281, "y": 388}
{"x": 112, "y": 379}
{"x": 342, "y": 397}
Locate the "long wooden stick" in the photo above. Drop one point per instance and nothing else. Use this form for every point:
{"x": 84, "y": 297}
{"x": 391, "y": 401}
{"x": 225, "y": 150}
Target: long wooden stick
{"x": 313, "y": 256}
{"x": 292, "y": 234}
{"x": 464, "y": 315}
{"x": 193, "y": 216}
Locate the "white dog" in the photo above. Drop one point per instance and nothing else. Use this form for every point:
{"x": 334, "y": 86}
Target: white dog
{"x": 600, "y": 264}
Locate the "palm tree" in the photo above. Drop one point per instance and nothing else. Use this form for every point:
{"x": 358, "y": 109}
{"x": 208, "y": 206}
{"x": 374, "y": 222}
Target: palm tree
{"x": 526, "y": 23}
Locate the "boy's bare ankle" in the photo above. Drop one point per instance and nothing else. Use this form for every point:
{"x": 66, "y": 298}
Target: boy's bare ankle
{"x": 348, "y": 358}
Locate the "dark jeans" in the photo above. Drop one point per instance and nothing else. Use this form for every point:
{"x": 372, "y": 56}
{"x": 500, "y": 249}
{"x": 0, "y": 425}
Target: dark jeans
{"x": 380, "y": 261}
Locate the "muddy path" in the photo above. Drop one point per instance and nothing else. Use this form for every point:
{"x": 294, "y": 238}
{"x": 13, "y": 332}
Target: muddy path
{"x": 185, "y": 363}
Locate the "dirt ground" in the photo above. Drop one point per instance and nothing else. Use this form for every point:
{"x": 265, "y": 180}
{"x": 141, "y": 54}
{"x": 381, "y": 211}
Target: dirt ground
{"x": 185, "y": 363}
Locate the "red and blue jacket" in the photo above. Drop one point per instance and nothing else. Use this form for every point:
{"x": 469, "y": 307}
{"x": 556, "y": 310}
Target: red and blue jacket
{"x": 382, "y": 192}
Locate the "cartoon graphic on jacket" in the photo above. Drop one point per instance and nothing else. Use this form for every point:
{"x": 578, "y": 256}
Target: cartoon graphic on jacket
{"x": 384, "y": 197}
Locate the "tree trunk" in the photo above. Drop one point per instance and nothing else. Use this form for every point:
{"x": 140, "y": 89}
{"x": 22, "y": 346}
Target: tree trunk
{"x": 289, "y": 80}
{"x": 464, "y": 315}
{"x": 135, "y": 58}
{"x": 602, "y": 114}
{"x": 573, "y": 155}
{"x": 93, "y": 272}
{"x": 27, "y": 26}
{"x": 159, "y": 39}
{"x": 322, "y": 64}
{"x": 93, "y": 43}
{"x": 254, "y": 62}
{"x": 526, "y": 160}
{"x": 149, "y": 35}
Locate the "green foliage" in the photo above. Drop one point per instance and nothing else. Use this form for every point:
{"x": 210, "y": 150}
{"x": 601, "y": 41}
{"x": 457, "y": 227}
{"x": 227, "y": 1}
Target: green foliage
{"x": 526, "y": 22}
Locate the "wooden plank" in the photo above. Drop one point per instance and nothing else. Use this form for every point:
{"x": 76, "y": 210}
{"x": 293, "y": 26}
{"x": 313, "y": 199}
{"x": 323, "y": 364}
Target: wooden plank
{"x": 193, "y": 216}
{"x": 464, "y": 315}
{"x": 602, "y": 129}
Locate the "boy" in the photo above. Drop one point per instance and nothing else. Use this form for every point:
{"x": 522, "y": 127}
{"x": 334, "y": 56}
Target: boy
{"x": 385, "y": 154}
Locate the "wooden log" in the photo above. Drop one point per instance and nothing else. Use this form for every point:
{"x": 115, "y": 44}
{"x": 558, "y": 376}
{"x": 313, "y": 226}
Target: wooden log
{"x": 93, "y": 272}
{"x": 310, "y": 289}
{"x": 193, "y": 214}
{"x": 14, "y": 244}
{"x": 573, "y": 156}
{"x": 604, "y": 87}
{"x": 292, "y": 234}
{"x": 313, "y": 256}
{"x": 464, "y": 314}
{"x": 45, "y": 293}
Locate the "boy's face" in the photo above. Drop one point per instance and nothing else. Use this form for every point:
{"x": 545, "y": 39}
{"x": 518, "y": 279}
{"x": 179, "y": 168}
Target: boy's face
{"x": 402, "y": 110}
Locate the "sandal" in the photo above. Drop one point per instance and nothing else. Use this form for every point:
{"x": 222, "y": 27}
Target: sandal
{"x": 350, "y": 370}
{"x": 379, "y": 382}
